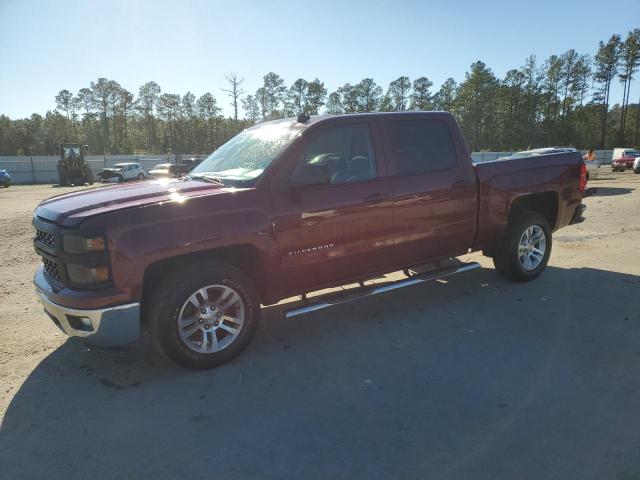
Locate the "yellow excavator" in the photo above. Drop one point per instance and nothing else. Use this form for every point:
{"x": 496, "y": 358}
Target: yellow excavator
{"x": 72, "y": 168}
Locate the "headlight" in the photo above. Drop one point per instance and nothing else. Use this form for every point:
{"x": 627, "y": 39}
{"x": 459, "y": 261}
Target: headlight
{"x": 87, "y": 275}
{"x": 76, "y": 244}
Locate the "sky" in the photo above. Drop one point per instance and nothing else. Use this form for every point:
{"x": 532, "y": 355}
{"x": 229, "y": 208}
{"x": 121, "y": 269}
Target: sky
{"x": 189, "y": 45}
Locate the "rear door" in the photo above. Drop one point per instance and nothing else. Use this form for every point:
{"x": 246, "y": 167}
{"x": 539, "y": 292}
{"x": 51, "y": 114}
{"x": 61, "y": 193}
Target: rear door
{"x": 434, "y": 190}
{"x": 343, "y": 230}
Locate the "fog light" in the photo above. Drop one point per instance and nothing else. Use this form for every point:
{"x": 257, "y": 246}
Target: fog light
{"x": 87, "y": 275}
{"x": 80, "y": 323}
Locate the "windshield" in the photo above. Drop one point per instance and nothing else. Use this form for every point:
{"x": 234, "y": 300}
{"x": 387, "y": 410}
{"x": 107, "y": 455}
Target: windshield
{"x": 71, "y": 151}
{"x": 249, "y": 153}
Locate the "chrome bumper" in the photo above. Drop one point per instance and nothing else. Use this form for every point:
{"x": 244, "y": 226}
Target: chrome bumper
{"x": 106, "y": 327}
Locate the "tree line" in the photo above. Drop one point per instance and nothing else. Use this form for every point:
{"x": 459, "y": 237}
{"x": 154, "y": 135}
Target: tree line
{"x": 564, "y": 100}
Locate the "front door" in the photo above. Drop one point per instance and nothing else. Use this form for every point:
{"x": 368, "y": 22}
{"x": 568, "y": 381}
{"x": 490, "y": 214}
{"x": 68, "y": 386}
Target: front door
{"x": 341, "y": 230}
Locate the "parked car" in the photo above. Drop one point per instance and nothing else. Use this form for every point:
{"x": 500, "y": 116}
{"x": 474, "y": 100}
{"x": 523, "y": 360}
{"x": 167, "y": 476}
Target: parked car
{"x": 636, "y": 165}
{"x": 186, "y": 165}
{"x": 165, "y": 170}
{"x": 285, "y": 208}
{"x": 121, "y": 172}
{"x": 623, "y": 158}
{"x": 593, "y": 167}
{"x": 536, "y": 152}
{"x": 5, "y": 178}
{"x": 162, "y": 170}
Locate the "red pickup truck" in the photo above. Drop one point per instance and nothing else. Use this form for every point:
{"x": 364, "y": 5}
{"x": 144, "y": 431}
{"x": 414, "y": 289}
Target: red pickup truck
{"x": 285, "y": 208}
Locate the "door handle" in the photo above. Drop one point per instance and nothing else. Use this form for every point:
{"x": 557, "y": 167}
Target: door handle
{"x": 374, "y": 198}
{"x": 462, "y": 184}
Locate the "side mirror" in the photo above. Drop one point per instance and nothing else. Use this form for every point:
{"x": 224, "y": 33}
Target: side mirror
{"x": 308, "y": 174}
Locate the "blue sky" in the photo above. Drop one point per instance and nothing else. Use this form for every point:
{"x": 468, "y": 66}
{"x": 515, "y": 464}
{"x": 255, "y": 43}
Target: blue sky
{"x": 46, "y": 46}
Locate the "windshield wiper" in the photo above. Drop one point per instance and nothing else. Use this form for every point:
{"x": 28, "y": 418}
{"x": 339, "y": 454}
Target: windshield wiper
{"x": 205, "y": 177}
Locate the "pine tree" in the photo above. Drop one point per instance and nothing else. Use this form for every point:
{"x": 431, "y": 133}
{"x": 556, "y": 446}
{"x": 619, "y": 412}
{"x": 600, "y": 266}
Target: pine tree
{"x": 606, "y": 65}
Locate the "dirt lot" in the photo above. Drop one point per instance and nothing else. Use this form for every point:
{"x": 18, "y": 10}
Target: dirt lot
{"x": 475, "y": 377}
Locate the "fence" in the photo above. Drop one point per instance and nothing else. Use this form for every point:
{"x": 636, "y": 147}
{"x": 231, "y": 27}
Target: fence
{"x": 42, "y": 169}
{"x": 603, "y": 156}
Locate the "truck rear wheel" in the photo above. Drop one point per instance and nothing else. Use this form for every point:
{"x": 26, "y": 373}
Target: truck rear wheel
{"x": 204, "y": 316}
{"x": 524, "y": 251}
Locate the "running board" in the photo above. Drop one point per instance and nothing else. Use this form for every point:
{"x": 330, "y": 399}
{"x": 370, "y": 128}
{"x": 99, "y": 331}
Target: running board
{"x": 375, "y": 290}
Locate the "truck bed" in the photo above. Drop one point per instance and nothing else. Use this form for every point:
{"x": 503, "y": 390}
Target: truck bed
{"x": 501, "y": 182}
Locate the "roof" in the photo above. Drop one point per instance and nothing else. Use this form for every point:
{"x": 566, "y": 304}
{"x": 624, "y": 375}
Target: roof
{"x": 406, "y": 113}
{"x": 322, "y": 118}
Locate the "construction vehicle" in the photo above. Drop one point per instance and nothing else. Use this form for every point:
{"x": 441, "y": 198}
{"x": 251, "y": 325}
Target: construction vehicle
{"x": 72, "y": 168}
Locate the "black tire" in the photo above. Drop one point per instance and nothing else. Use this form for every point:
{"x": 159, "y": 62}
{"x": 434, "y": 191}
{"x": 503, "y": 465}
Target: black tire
{"x": 120, "y": 179}
{"x": 587, "y": 176}
{"x": 169, "y": 297}
{"x": 140, "y": 176}
{"x": 507, "y": 259}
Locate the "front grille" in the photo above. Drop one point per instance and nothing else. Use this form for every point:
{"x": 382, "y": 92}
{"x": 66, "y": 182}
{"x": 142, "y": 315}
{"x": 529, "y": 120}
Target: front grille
{"x": 46, "y": 238}
{"x": 51, "y": 268}
{"x": 46, "y": 244}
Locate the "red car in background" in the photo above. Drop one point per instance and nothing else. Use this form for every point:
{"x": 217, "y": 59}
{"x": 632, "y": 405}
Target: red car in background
{"x": 623, "y": 158}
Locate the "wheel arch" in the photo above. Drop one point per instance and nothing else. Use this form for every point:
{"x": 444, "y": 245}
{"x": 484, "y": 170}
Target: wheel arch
{"x": 244, "y": 257}
{"x": 545, "y": 203}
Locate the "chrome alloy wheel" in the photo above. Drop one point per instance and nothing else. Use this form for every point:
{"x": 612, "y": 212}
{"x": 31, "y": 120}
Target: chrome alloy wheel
{"x": 211, "y": 319}
{"x": 532, "y": 247}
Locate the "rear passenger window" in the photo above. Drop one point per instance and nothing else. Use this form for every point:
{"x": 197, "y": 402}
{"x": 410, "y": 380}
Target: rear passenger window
{"x": 347, "y": 152}
{"x": 421, "y": 146}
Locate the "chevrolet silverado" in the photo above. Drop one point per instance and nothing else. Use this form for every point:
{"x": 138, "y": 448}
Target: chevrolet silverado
{"x": 285, "y": 208}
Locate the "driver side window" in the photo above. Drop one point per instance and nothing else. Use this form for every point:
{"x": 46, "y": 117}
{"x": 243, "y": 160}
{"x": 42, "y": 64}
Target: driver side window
{"x": 345, "y": 150}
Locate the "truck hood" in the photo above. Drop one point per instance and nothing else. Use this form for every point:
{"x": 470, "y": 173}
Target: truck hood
{"x": 71, "y": 209}
{"x": 109, "y": 172}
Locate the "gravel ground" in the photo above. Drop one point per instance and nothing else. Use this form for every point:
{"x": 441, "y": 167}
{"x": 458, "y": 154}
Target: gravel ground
{"x": 474, "y": 377}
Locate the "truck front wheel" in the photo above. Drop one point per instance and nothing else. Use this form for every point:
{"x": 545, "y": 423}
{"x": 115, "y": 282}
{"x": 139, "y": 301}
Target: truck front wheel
{"x": 204, "y": 316}
{"x": 524, "y": 251}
